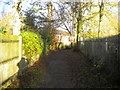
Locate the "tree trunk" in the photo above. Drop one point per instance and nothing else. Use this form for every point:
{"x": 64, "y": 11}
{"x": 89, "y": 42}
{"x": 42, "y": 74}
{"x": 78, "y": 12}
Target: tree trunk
{"x": 101, "y": 6}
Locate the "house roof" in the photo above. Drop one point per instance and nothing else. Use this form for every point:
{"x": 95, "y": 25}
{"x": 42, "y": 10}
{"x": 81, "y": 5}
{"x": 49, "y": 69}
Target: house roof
{"x": 61, "y": 32}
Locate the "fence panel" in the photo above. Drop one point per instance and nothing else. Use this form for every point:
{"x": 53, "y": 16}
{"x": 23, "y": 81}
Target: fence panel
{"x": 104, "y": 51}
{"x": 10, "y": 55}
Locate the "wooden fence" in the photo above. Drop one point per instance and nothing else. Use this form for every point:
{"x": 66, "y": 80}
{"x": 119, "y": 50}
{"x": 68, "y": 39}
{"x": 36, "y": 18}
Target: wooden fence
{"x": 104, "y": 52}
{"x": 10, "y": 56}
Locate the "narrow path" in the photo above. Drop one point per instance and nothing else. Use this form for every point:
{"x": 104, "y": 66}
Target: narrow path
{"x": 58, "y": 73}
{"x": 61, "y": 69}
{"x": 68, "y": 69}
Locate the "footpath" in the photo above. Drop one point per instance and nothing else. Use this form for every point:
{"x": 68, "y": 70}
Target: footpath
{"x": 61, "y": 69}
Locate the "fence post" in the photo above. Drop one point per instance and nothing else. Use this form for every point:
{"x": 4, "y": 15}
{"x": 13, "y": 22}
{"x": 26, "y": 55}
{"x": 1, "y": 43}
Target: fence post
{"x": 20, "y": 47}
{"x": 0, "y": 57}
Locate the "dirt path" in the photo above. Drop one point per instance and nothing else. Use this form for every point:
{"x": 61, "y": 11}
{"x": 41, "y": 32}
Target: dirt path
{"x": 58, "y": 73}
{"x": 68, "y": 69}
{"x": 62, "y": 69}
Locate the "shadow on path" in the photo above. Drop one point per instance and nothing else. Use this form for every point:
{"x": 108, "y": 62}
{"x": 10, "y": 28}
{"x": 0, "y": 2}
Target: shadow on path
{"x": 61, "y": 69}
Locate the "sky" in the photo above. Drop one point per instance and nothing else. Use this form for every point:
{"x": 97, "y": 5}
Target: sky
{"x": 7, "y": 7}
{"x": 4, "y": 7}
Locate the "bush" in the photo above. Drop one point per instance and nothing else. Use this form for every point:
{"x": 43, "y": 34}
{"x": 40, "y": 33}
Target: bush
{"x": 47, "y": 39}
{"x": 3, "y": 30}
{"x": 67, "y": 47}
{"x": 59, "y": 45}
{"x": 32, "y": 44}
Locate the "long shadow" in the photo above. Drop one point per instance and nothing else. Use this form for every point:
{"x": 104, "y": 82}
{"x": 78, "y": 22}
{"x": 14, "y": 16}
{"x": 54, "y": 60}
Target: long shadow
{"x": 23, "y": 66}
{"x": 25, "y": 69}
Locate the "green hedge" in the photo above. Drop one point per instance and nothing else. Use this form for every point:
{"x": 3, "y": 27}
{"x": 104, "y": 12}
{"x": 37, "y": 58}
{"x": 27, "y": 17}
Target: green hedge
{"x": 32, "y": 44}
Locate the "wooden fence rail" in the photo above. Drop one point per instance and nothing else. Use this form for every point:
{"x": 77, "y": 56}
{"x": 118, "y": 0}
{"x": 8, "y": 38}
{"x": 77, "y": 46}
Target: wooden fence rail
{"x": 10, "y": 56}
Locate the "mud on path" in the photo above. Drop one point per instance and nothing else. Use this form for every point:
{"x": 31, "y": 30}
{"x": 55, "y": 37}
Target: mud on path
{"x": 61, "y": 69}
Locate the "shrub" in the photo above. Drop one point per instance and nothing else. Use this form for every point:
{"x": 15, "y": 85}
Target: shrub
{"x": 61, "y": 45}
{"x": 47, "y": 39}
{"x": 32, "y": 44}
{"x": 3, "y": 30}
{"x": 67, "y": 47}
